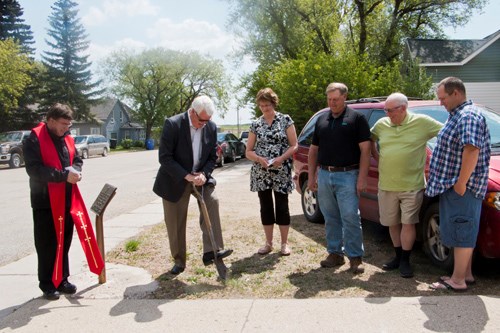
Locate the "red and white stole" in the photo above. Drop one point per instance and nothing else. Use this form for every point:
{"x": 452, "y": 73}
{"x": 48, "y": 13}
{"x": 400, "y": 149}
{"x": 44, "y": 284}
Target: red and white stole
{"x": 79, "y": 213}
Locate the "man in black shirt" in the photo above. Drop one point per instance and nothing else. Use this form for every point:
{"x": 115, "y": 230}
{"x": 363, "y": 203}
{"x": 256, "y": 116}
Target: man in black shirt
{"x": 341, "y": 150}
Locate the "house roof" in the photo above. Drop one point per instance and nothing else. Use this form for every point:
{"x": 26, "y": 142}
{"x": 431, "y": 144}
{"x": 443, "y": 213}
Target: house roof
{"x": 130, "y": 125}
{"x": 101, "y": 111}
{"x": 446, "y": 52}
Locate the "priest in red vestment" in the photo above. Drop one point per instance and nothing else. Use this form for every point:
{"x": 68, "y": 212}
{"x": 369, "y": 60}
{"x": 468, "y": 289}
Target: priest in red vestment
{"x": 54, "y": 168}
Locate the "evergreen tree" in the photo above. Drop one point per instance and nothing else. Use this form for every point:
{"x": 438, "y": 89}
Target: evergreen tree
{"x": 13, "y": 26}
{"x": 68, "y": 77}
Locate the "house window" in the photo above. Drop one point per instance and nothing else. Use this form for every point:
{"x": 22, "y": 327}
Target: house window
{"x": 112, "y": 120}
{"x": 127, "y": 135}
{"x": 75, "y": 131}
{"x": 95, "y": 130}
{"x": 142, "y": 135}
{"x": 113, "y": 135}
{"x": 121, "y": 117}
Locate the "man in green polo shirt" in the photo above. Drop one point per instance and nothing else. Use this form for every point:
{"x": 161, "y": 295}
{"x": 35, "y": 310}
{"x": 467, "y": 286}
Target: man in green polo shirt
{"x": 402, "y": 139}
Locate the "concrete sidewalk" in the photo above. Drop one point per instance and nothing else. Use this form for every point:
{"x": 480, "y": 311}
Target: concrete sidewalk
{"x": 119, "y": 305}
{"x": 24, "y": 271}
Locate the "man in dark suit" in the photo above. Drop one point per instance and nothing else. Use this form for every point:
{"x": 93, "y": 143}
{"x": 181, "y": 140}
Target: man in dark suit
{"x": 187, "y": 156}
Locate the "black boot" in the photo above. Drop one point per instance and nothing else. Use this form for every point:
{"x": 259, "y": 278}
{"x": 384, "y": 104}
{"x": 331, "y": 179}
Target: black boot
{"x": 404, "y": 266}
{"x": 394, "y": 263}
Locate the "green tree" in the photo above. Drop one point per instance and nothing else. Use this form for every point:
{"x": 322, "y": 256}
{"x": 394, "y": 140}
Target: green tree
{"x": 160, "y": 83}
{"x": 203, "y": 75}
{"x": 281, "y": 33}
{"x": 15, "y": 67}
{"x": 151, "y": 81}
{"x": 68, "y": 78}
{"x": 379, "y": 27}
{"x": 13, "y": 26}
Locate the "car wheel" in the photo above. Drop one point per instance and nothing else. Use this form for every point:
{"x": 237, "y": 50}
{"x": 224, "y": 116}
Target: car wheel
{"x": 105, "y": 152}
{"x": 439, "y": 254}
{"x": 310, "y": 205}
{"x": 85, "y": 154}
{"x": 15, "y": 160}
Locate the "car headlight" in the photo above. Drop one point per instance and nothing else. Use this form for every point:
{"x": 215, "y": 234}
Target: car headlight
{"x": 4, "y": 149}
{"x": 492, "y": 199}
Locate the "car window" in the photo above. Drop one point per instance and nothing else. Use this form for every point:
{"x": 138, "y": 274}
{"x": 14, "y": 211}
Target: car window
{"x": 244, "y": 135}
{"x": 232, "y": 137}
{"x": 305, "y": 137}
{"x": 79, "y": 139}
{"x": 435, "y": 111}
{"x": 374, "y": 116}
{"x": 493, "y": 121}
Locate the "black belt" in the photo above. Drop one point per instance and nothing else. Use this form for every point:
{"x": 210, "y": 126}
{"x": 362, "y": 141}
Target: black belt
{"x": 339, "y": 169}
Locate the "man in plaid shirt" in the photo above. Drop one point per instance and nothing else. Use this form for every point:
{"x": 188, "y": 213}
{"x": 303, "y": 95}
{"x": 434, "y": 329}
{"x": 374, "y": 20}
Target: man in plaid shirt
{"x": 459, "y": 175}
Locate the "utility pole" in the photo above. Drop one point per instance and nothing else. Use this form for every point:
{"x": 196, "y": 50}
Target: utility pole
{"x": 238, "y": 121}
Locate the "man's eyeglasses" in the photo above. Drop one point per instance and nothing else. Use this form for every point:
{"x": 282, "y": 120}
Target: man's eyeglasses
{"x": 65, "y": 123}
{"x": 201, "y": 120}
{"x": 387, "y": 110}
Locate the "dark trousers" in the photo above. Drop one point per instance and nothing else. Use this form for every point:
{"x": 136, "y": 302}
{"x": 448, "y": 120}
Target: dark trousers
{"x": 46, "y": 246}
{"x": 175, "y": 214}
{"x": 268, "y": 208}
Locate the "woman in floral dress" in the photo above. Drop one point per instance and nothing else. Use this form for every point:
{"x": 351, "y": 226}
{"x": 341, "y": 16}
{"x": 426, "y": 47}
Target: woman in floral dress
{"x": 272, "y": 140}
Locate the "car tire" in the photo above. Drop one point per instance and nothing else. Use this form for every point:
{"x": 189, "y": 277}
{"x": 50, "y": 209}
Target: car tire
{"x": 105, "y": 152}
{"x": 439, "y": 254}
{"x": 232, "y": 156}
{"x": 15, "y": 160}
{"x": 85, "y": 154}
{"x": 310, "y": 205}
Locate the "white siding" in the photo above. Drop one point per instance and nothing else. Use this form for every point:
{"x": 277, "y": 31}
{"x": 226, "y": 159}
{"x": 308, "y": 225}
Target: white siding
{"x": 486, "y": 93}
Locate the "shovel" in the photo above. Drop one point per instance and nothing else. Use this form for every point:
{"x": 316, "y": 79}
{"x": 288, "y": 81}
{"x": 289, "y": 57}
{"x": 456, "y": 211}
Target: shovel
{"x": 221, "y": 267}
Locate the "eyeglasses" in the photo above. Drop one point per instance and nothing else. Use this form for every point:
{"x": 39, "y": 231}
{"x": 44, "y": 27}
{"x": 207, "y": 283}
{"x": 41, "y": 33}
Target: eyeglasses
{"x": 201, "y": 120}
{"x": 65, "y": 123}
{"x": 391, "y": 110}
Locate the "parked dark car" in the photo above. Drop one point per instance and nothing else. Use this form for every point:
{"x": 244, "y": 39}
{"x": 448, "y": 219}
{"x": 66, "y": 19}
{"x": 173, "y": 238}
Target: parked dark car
{"x": 11, "y": 148}
{"x": 488, "y": 242}
{"x": 89, "y": 145}
{"x": 232, "y": 147}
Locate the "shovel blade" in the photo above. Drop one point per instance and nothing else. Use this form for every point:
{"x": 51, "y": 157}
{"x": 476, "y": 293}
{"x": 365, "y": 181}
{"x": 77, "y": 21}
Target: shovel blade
{"x": 221, "y": 268}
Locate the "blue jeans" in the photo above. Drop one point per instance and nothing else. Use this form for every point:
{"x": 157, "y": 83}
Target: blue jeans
{"x": 339, "y": 204}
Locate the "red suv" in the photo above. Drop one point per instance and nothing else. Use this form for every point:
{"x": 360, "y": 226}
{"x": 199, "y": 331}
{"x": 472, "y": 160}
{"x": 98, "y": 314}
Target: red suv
{"x": 488, "y": 242}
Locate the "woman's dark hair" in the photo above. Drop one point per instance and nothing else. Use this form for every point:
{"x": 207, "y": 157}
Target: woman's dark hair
{"x": 267, "y": 94}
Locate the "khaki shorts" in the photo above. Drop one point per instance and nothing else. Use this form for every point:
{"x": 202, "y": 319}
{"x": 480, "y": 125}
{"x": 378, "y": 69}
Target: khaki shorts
{"x": 399, "y": 207}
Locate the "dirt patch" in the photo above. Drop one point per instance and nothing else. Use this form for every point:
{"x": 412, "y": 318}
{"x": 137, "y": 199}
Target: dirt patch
{"x": 299, "y": 275}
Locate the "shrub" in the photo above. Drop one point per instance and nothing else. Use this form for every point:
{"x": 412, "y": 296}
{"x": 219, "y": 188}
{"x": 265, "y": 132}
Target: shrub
{"x": 138, "y": 144}
{"x": 126, "y": 143}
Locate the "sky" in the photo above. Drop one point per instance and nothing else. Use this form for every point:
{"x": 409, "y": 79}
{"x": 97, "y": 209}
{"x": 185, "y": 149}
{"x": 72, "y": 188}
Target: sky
{"x": 185, "y": 25}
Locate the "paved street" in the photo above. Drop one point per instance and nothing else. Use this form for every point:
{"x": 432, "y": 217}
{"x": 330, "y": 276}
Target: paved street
{"x": 132, "y": 173}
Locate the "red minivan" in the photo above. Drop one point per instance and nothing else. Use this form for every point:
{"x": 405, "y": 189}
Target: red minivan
{"x": 488, "y": 242}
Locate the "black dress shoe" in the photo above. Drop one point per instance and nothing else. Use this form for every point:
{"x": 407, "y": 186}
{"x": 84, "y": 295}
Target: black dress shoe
{"x": 208, "y": 257}
{"x": 66, "y": 288}
{"x": 176, "y": 270}
{"x": 51, "y": 295}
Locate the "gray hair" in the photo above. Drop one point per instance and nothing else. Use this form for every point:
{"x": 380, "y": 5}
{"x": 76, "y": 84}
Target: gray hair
{"x": 201, "y": 103}
{"x": 342, "y": 88}
{"x": 398, "y": 97}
